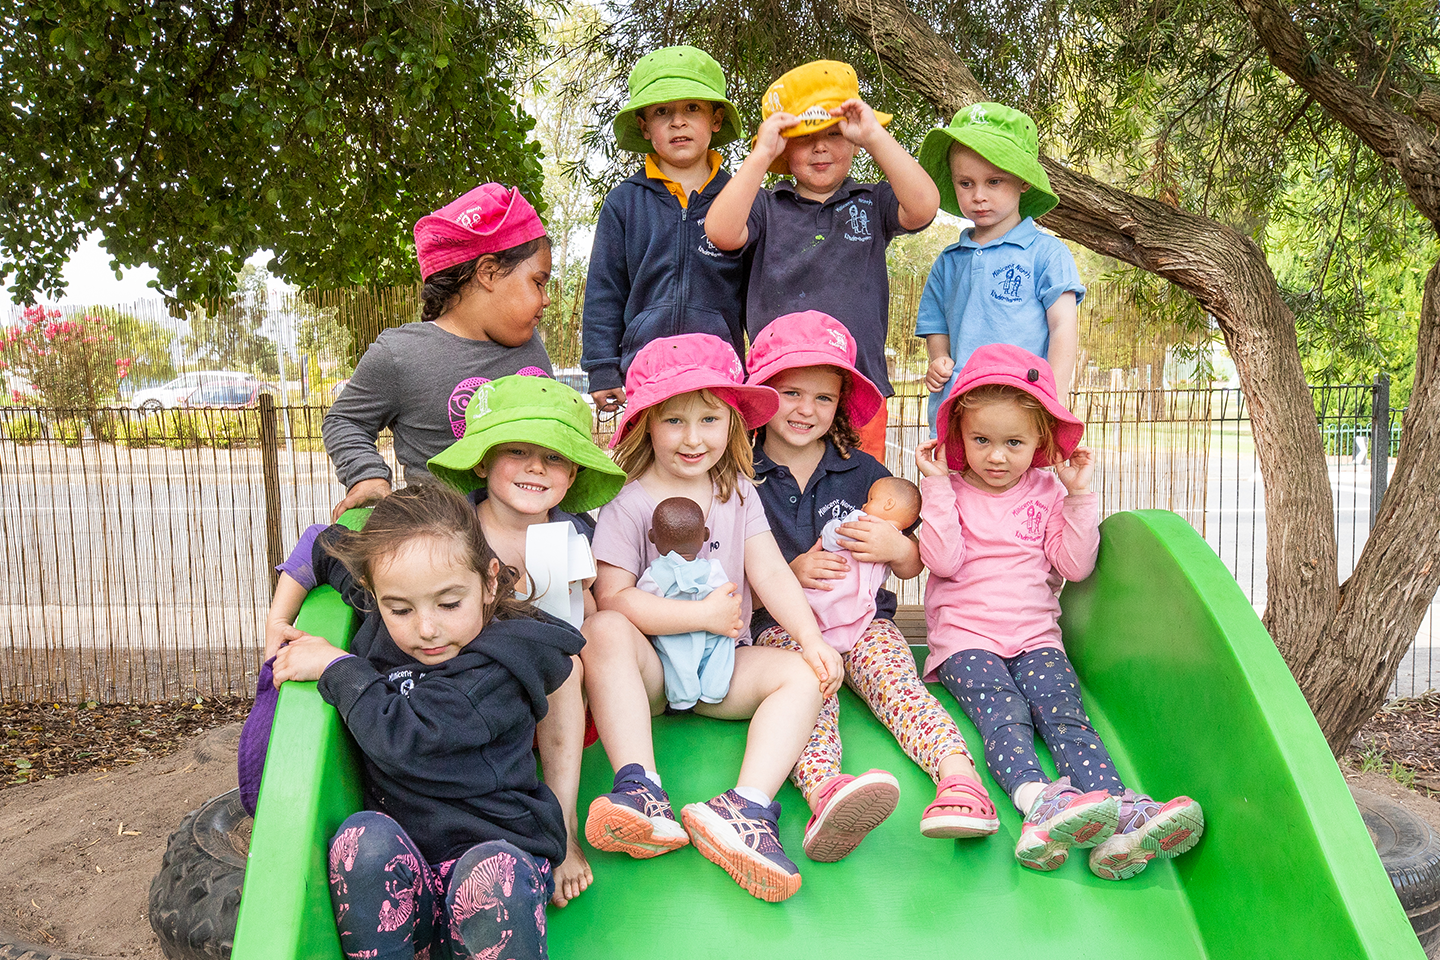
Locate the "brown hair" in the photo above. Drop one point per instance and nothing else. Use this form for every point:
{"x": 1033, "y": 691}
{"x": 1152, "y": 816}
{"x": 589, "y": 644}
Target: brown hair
{"x": 443, "y": 288}
{"x": 428, "y": 510}
{"x": 635, "y": 453}
{"x": 843, "y": 433}
{"x": 988, "y": 393}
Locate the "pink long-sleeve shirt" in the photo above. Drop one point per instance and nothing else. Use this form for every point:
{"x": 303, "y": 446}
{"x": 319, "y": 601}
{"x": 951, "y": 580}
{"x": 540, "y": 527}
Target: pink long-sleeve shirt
{"x": 997, "y": 561}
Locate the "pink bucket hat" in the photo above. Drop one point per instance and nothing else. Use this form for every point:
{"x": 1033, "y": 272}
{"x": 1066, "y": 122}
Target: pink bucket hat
{"x": 670, "y": 366}
{"x": 813, "y": 339}
{"x": 1014, "y": 367}
{"x": 490, "y": 218}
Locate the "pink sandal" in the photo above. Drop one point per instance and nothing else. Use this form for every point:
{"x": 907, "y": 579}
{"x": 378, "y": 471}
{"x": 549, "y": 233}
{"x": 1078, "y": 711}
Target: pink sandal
{"x": 962, "y": 808}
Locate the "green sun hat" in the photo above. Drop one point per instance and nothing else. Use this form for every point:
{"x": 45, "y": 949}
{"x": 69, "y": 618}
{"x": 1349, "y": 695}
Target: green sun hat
{"x": 538, "y": 410}
{"x": 674, "y": 73}
{"x": 1002, "y": 135}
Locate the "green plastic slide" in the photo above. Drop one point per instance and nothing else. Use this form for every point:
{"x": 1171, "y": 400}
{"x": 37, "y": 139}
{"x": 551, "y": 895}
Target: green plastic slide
{"x": 1182, "y": 682}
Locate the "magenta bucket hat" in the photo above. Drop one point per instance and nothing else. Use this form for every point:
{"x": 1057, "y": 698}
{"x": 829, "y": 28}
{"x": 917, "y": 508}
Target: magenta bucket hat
{"x": 813, "y": 339}
{"x": 1014, "y": 367}
{"x": 670, "y": 366}
{"x": 488, "y": 219}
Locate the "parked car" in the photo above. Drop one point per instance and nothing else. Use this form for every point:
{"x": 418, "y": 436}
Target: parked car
{"x": 169, "y": 394}
{"x": 228, "y": 394}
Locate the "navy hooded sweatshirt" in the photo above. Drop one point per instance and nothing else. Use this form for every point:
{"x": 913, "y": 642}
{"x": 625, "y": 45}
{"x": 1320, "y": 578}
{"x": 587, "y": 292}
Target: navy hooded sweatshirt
{"x": 654, "y": 273}
{"x": 448, "y": 748}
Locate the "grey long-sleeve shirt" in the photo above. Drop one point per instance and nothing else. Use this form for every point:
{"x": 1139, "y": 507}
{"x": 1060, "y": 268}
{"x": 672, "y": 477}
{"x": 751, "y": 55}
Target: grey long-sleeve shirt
{"x": 415, "y": 379}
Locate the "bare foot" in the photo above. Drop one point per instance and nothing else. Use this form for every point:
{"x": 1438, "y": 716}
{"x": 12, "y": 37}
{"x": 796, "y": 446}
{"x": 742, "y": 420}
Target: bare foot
{"x": 572, "y": 876}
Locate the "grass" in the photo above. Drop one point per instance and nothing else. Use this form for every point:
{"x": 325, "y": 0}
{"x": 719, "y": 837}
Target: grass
{"x": 1373, "y": 759}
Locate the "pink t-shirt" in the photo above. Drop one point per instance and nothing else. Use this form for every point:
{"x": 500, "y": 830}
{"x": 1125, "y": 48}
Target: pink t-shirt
{"x": 997, "y": 561}
{"x": 621, "y": 535}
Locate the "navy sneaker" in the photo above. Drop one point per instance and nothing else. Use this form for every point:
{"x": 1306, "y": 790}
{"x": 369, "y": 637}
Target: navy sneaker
{"x": 634, "y": 818}
{"x": 743, "y": 839}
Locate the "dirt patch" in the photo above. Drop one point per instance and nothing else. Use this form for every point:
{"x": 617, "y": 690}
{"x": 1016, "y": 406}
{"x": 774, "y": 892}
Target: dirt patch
{"x": 1404, "y": 733}
{"x": 77, "y": 852}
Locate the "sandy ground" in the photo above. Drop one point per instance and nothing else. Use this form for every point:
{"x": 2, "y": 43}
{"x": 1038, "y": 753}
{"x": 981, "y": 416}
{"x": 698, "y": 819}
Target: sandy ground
{"x": 77, "y": 853}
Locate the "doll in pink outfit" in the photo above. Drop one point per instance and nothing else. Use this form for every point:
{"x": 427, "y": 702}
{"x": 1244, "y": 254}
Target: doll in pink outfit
{"x": 845, "y": 610}
{"x": 1000, "y": 534}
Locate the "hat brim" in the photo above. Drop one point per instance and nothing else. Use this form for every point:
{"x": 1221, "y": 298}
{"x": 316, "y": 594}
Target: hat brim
{"x": 755, "y": 404}
{"x": 805, "y": 127}
{"x": 1068, "y": 427}
{"x": 862, "y": 401}
{"x": 597, "y": 478}
{"x": 627, "y": 125}
{"x": 1002, "y": 152}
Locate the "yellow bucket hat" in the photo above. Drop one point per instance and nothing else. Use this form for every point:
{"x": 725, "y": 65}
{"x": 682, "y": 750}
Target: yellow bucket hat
{"x": 810, "y": 92}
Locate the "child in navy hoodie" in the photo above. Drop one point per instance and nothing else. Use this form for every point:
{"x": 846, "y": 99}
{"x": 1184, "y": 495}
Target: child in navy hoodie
{"x": 448, "y": 676}
{"x": 653, "y": 272}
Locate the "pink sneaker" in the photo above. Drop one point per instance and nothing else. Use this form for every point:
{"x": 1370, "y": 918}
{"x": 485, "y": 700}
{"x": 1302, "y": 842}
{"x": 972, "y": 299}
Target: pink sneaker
{"x": 1146, "y": 830}
{"x": 961, "y": 808}
{"x": 1062, "y": 817}
{"x": 847, "y": 808}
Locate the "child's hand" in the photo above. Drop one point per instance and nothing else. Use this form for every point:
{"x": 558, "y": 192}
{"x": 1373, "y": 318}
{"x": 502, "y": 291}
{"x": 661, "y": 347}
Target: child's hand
{"x": 925, "y": 460}
{"x": 770, "y": 140}
{"x": 938, "y": 373}
{"x": 874, "y": 541}
{"x": 610, "y": 400}
{"x": 721, "y": 613}
{"x": 857, "y": 122}
{"x": 1077, "y": 472}
{"x": 815, "y": 566}
{"x": 277, "y": 634}
{"x": 304, "y": 658}
{"x": 828, "y": 667}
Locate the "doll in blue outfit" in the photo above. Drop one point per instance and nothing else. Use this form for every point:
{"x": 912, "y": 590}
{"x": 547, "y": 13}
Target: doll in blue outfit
{"x": 1004, "y": 281}
{"x": 698, "y": 664}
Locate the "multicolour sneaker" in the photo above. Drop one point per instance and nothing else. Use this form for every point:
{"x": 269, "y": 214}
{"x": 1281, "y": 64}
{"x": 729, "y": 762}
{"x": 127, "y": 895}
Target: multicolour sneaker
{"x": 634, "y": 818}
{"x": 1062, "y": 817}
{"x": 743, "y": 839}
{"x": 1147, "y": 829}
{"x": 847, "y": 808}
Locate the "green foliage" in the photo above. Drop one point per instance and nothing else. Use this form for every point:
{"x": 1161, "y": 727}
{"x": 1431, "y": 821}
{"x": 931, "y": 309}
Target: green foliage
{"x": 188, "y": 429}
{"x": 145, "y": 342}
{"x": 25, "y": 428}
{"x": 229, "y": 338}
{"x": 193, "y": 134}
{"x": 320, "y": 336}
{"x": 73, "y": 363}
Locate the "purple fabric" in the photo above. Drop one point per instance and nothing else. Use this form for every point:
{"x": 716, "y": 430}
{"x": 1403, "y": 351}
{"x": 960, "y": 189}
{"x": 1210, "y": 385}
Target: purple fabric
{"x": 300, "y": 565}
{"x": 255, "y": 735}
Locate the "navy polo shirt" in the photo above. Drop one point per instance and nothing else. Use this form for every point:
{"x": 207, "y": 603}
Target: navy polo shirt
{"x": 826, "y": 256}
{"x": 796, "y": 517}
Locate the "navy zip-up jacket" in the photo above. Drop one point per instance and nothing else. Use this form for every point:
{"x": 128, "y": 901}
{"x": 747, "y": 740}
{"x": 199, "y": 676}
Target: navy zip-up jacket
{"x": 448, "y": 748}
{"x": 654, "y": 273}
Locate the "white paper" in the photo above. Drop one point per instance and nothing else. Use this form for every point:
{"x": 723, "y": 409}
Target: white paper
{"x": 558, "y": 560}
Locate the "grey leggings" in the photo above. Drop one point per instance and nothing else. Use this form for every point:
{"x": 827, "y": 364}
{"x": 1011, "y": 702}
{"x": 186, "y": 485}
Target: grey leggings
{"x": 1009, "y": 698}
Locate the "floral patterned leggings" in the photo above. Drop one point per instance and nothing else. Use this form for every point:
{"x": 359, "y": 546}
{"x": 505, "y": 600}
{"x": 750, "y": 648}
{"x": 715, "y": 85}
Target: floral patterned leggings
{"x": 390, "y": 903}
{"x": 881, "y": 669}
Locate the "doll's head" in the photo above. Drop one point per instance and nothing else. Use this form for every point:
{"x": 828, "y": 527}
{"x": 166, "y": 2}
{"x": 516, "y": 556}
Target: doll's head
{"x": 678, "y": 526}
{"x": 894, "y": 499}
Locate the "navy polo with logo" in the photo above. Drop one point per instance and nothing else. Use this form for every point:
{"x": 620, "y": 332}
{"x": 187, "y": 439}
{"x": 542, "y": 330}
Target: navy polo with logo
{"x": 829, "y": 257}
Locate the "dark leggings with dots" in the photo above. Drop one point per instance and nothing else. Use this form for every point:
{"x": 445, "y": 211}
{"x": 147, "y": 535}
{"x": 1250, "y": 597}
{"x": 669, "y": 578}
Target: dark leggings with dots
{"x": 1009, "y": 698}
{"x": 390, "y": 903}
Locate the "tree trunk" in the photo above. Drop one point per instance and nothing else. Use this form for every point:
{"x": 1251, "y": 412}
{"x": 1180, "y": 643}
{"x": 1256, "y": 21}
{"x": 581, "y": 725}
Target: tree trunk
{"x": 1228, "y": 274}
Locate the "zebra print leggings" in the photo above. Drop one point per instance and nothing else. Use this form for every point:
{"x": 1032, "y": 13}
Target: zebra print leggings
{"x": 390, "y": 903}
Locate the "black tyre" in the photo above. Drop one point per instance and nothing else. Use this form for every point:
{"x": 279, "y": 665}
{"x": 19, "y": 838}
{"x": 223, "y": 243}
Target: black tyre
{"x": 151, "y": 406}
{"x": 196, "y": 895}
{"x": 1410, "y": 851}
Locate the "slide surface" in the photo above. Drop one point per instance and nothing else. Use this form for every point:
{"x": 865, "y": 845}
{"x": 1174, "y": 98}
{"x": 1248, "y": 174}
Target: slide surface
{"x": 1183, "y": 684}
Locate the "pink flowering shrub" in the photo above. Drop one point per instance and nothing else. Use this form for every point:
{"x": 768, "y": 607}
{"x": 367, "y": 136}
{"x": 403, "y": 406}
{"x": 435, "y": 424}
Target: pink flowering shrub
{"x": 71, "y": 363}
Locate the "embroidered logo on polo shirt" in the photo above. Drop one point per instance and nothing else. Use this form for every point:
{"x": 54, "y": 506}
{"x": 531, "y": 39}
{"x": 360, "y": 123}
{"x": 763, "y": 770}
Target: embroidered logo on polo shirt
{"x": 857, "y": 224}
{"x": 1031, "y": 516}
{"x": 1007, "y": 282}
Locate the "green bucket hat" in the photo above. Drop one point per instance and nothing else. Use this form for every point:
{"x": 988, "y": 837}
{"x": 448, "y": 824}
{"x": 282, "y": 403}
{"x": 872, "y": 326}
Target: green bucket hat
{"x": 674, "y": 73}
{"x": 1002, "y": 135}
{"x": 528, "y": 409}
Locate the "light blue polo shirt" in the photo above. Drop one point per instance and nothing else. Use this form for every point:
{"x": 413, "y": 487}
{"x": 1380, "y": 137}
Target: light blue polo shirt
{"x": 996, "y": 293}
